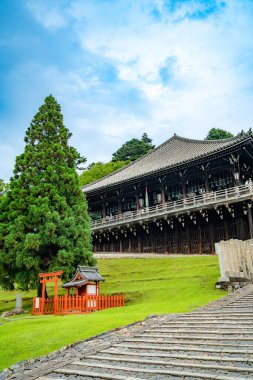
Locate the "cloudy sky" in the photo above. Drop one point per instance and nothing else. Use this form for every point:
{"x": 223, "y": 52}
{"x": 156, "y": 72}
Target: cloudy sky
{"x": 120, "y": 68}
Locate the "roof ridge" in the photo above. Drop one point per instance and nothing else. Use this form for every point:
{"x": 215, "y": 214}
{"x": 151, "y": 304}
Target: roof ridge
{"x": 237, "y": 137}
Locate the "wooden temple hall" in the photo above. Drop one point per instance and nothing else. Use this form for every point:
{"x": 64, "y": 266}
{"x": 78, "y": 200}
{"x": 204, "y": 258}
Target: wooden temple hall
{"x": 181, "y": 198}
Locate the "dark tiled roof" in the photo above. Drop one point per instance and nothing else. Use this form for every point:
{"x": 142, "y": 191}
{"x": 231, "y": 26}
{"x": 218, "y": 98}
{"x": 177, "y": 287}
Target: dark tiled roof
{"x": 173, "y": 152}
{"x": 87, "y": 274}
{"x": 74, "y": 283}
{"x": 90, "y": 273}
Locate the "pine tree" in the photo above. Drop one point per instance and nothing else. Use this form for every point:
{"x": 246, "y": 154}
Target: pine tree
{"x": 44, "y": 222}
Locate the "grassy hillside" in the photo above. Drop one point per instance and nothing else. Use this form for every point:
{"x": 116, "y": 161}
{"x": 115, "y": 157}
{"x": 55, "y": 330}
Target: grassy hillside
{"x": 151, "y": 286}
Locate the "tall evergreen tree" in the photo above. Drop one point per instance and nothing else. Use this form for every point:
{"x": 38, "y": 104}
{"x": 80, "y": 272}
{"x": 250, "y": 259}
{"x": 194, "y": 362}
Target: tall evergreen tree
{"x": 44, "y": 223}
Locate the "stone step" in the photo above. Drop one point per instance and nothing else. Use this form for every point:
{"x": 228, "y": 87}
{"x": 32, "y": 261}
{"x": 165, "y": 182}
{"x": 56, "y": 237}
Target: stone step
{"x": 203, "y": 338}
{"x": 49, "y": 378}
{"x": 190, "y": 342}
{"x": 209, "y": 320}
{"x": 241, "y": 306}
{"x": 91, "y": 374}
{"x": 182, "y": 372}
{"x": 237, "y": 308}
{"x": 219, "y": 313}
{"x": 206, "y": 358}
{"x": 170, "y": 363}
{"x": 216, "y": 330}
{"x": 181, "y": 347}
{"x": 201, "y": 324}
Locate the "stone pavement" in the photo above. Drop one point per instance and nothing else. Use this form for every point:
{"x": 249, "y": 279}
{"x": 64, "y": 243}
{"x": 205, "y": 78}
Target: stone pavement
{"x": 213, "y": 342}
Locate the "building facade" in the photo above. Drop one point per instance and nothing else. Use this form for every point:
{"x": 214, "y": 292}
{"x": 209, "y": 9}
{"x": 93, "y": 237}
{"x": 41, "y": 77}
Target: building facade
{"x": 181, "y": 198}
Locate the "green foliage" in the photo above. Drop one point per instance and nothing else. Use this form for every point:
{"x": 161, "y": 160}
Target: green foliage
{"x": 151, "y": 286}
{"x": 3, "y": 189}
{"x": 44, "y": 223}
{"x": 133, "y": 149}
{"x": 98, "y": 170}
{"x": 217, "y": 134}
{"x": 130, "y": 151}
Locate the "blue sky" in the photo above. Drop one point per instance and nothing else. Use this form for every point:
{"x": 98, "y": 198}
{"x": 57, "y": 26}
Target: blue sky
{"x": 120, "y": 68}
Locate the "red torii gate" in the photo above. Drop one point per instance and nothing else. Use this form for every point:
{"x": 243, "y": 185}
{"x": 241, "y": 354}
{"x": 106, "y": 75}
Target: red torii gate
{"x": 49, "y": 277}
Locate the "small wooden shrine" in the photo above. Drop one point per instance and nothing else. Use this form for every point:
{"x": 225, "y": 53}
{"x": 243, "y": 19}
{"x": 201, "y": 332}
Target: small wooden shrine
{"x": 87, "y": 297}
{"x": 85, "y": 281}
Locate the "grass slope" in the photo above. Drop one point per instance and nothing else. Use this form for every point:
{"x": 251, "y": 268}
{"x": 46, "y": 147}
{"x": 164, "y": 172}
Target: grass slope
{"x": 151, "y": 286}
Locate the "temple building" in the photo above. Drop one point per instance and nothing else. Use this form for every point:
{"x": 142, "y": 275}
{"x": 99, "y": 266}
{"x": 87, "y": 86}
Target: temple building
{"x": 181, "y": 198}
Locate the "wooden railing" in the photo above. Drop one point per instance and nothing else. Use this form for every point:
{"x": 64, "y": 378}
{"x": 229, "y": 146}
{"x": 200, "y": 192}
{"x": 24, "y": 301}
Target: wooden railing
{"x": 76, "y": 304}
{"x": 233, "y": 194}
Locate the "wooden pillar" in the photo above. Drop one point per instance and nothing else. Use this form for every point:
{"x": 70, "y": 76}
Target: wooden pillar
{"x": 139, "y": 243}
{"x": 146, "y": 197}
{"x": 199, "y": 239}
{"x": 184, "y": 190}
{"x": 103, "y": 212}
{"x": 163, "y": 197}
{"x": 226, "y": 229}
{"x": 119, "y": 208}
{"x": 120, "y": 245}
{"x": 137, "y": 202}
{"x": 187, "y": 237}
{"x": 129, "y": 245}
{"x": 212, "y": 240}
{"x": 55, "y": 295}
{"x": 43, "y": 296}
{"x": 250, "y": 220}
{"x": 207, "y": 187}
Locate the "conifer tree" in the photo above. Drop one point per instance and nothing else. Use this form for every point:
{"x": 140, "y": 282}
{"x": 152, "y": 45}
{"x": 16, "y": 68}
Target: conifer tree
{"x": 44, "y": 223}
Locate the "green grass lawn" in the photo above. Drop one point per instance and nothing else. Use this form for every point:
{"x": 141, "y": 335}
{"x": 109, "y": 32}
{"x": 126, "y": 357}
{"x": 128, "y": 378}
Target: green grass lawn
{"x": 151, "y": 286}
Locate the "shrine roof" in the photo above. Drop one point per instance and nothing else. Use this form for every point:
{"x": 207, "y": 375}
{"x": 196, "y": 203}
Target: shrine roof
{"x": 74, "y": 283}
{"x": 83, "y": 275}
{"x": 90, "y": 273}
{"x": 174, "y": 152}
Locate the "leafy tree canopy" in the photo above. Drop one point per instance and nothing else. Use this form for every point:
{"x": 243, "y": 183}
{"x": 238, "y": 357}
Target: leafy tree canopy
{"x": 217, "y": 134}
{"x": 44, "y": 224}
{"x": 133, "y": 149}
{"x": 99, "y": 170}
{"x": 3, "y": 188}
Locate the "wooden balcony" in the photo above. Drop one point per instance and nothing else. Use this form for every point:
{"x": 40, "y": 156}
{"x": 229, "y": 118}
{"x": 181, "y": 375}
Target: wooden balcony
{"x": 192, "y": 203}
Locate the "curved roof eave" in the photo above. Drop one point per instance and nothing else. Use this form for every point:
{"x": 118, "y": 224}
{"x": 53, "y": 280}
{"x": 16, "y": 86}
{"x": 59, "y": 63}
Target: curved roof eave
{"x": 215, "y": 145}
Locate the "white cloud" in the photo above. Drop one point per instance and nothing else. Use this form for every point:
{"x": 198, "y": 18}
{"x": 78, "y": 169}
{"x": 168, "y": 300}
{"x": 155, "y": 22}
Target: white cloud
{"x": 208, "y": 79}
{"x": 210, "y": 83}
{"x": 48, "y": 14}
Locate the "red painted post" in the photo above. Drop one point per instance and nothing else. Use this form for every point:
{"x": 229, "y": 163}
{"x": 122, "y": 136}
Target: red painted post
{"x": 43, "y": 296}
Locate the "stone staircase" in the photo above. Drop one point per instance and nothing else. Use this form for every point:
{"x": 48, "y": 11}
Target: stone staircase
{"x": 215, "y": 343}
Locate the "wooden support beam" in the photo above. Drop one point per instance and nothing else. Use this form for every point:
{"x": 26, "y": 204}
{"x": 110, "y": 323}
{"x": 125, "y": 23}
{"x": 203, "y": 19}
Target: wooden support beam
{"x": 163, "y": 197}
{"x": 249, "y": 211}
